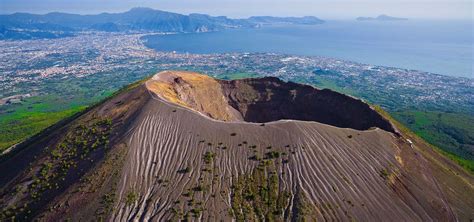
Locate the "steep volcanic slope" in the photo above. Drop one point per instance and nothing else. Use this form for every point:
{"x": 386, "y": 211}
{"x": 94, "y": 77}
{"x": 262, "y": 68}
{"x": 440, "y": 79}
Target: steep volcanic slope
{"x": 183, "y": 145}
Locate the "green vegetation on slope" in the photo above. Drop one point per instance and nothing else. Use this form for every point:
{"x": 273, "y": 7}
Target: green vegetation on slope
{"x": 238, "y": 75}
{"x": 35, "y": 114}
{"x": 52, "y": 170}
{"x": 259, "y": 196}
{"x": 324, "y": 83}
{"x": 453, "y": 132}
{"x": 467, "y": 164}
{"x": 64, "y": 98}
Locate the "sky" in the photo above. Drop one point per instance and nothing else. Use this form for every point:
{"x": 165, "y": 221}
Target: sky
{"x": 326, "y": 9}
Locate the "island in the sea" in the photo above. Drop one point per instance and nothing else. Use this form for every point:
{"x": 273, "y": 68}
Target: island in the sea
{"x": 381, "y": 18}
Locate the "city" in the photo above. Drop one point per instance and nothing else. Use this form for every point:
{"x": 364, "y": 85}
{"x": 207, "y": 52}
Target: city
{"x": 24, "y": 64}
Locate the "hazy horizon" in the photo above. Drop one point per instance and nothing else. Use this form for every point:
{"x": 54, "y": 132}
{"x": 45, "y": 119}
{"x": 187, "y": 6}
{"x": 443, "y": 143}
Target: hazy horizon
{"x": 339, "y": 9}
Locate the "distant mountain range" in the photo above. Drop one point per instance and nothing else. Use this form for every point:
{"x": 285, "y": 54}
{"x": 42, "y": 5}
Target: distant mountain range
{"x": 56, "y": 24}
{"x": 380, "y": 18}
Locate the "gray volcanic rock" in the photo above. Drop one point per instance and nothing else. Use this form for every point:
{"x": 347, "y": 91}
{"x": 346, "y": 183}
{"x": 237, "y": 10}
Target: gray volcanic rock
{"x": 185, "y": 146}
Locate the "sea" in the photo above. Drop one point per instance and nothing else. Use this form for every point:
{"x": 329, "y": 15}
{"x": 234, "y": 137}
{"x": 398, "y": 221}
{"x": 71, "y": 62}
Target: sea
{"x": 436, "y": 46}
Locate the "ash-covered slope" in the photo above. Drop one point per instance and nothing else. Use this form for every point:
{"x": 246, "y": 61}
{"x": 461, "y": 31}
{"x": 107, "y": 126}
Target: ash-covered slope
{"x": 183, "y": 145}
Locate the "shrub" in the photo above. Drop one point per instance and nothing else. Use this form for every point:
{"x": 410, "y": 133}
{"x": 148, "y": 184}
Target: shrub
{"x": 273, "y": 154}
{"x": 198, "y": 188}
{"x": 209, "y": 157}
{"x": 185, "y": 170}
{"x": 131, "y": 198}
{"x": 384, "y": 173}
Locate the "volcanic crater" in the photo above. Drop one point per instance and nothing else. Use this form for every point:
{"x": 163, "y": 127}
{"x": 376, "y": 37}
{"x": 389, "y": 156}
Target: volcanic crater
{"x": 263, "y": 100}
{"x": 185, "y": 146}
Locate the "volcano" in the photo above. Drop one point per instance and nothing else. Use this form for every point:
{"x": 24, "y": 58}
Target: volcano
{"x": 183, "y": 145}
